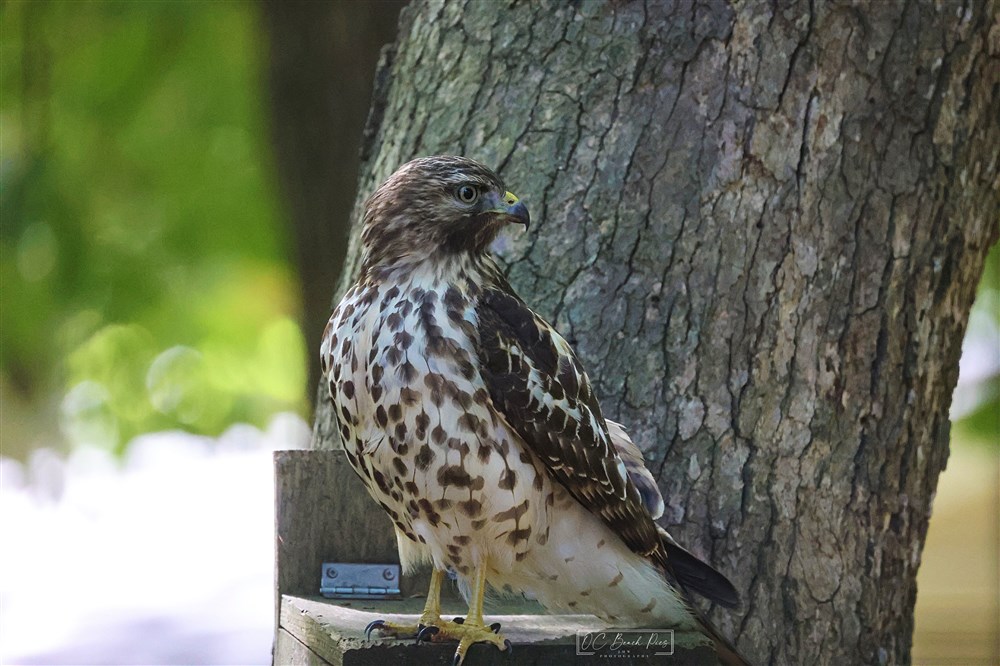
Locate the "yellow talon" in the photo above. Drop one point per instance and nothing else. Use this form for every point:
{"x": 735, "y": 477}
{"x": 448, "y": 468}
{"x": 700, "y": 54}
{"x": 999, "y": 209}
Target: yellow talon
{"x": 391, "y": 628}
{"x": 429, "y": 618}
{"x": 466, "y": 634}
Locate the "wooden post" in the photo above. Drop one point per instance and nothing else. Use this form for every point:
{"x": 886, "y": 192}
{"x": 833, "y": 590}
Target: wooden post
{"x": 323, "y": 513}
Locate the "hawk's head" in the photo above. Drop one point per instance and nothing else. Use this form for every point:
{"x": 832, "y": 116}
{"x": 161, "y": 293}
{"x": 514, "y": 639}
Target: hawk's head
{"x": 436, "y": 206}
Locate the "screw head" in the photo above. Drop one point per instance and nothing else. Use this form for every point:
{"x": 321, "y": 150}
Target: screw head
{"x": 388, "y": 574}
{"x": 331, "y": 572}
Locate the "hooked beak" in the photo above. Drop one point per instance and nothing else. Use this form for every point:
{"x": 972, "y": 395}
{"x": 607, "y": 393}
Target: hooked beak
{"x": 510, "y": 208}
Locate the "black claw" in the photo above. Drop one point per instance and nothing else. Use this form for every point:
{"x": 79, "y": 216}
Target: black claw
{"x": 495, "y": 627}
{"x": 375, "y": 624}
{"x": 426, "y": 633}
{"x": 508, "y": 646}
{"x": 456, "y": 660}
{"x": 459, "y": 620}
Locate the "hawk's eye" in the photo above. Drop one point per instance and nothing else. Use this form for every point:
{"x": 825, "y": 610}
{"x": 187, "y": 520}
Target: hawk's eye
{"x": 467, "y": 194}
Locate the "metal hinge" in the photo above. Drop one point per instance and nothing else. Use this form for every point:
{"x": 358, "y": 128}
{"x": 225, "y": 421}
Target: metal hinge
{"x": 359, "y": 581}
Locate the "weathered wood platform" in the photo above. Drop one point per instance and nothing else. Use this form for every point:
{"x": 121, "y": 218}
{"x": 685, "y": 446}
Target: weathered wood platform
{"x": 320, "y": 632}
{"x": 324, "y": 514}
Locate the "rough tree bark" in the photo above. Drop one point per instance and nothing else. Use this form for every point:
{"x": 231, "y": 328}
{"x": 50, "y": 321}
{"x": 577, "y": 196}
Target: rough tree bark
{"x": 762, "y": 228}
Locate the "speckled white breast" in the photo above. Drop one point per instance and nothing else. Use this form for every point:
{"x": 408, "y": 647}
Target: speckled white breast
{"x": 418, "y": 425}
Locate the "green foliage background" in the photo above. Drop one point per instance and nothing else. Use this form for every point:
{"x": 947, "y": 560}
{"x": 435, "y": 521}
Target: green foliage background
{"x": 976, "y": 409}
{"x": 143, "y": 258}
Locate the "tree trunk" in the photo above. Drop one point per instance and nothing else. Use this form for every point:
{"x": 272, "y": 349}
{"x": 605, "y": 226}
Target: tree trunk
{"x": 321, "y": 59}
{"x": 762, "y": 229}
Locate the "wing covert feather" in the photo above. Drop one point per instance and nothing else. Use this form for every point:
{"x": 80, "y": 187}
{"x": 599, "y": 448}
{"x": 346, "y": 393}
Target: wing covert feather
{"x": 542, "y": 390}
{"x": 637, "y": 471}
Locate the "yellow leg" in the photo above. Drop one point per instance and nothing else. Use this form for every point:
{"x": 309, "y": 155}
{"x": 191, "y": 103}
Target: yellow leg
{"x": 431, "y": 617}
{"x": 476, "y": 600}
{"x": 431, "y": 627}
{"x": 472, "y": 630}
{"x": 432, "y": 609}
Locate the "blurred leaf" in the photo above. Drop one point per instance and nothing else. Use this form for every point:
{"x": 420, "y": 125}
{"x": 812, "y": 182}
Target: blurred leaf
{"x": 114, "y": 361}
{"x": 141, "y": 239}
{"x": 983, "y": 423}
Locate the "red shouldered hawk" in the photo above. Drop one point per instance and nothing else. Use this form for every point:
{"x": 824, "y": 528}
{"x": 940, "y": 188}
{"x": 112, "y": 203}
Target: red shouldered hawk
{"x": 475, "y": 427}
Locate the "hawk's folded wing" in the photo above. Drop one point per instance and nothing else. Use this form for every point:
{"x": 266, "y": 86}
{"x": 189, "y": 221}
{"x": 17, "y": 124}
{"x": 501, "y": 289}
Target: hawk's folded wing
{"x": 539, "y": 386}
